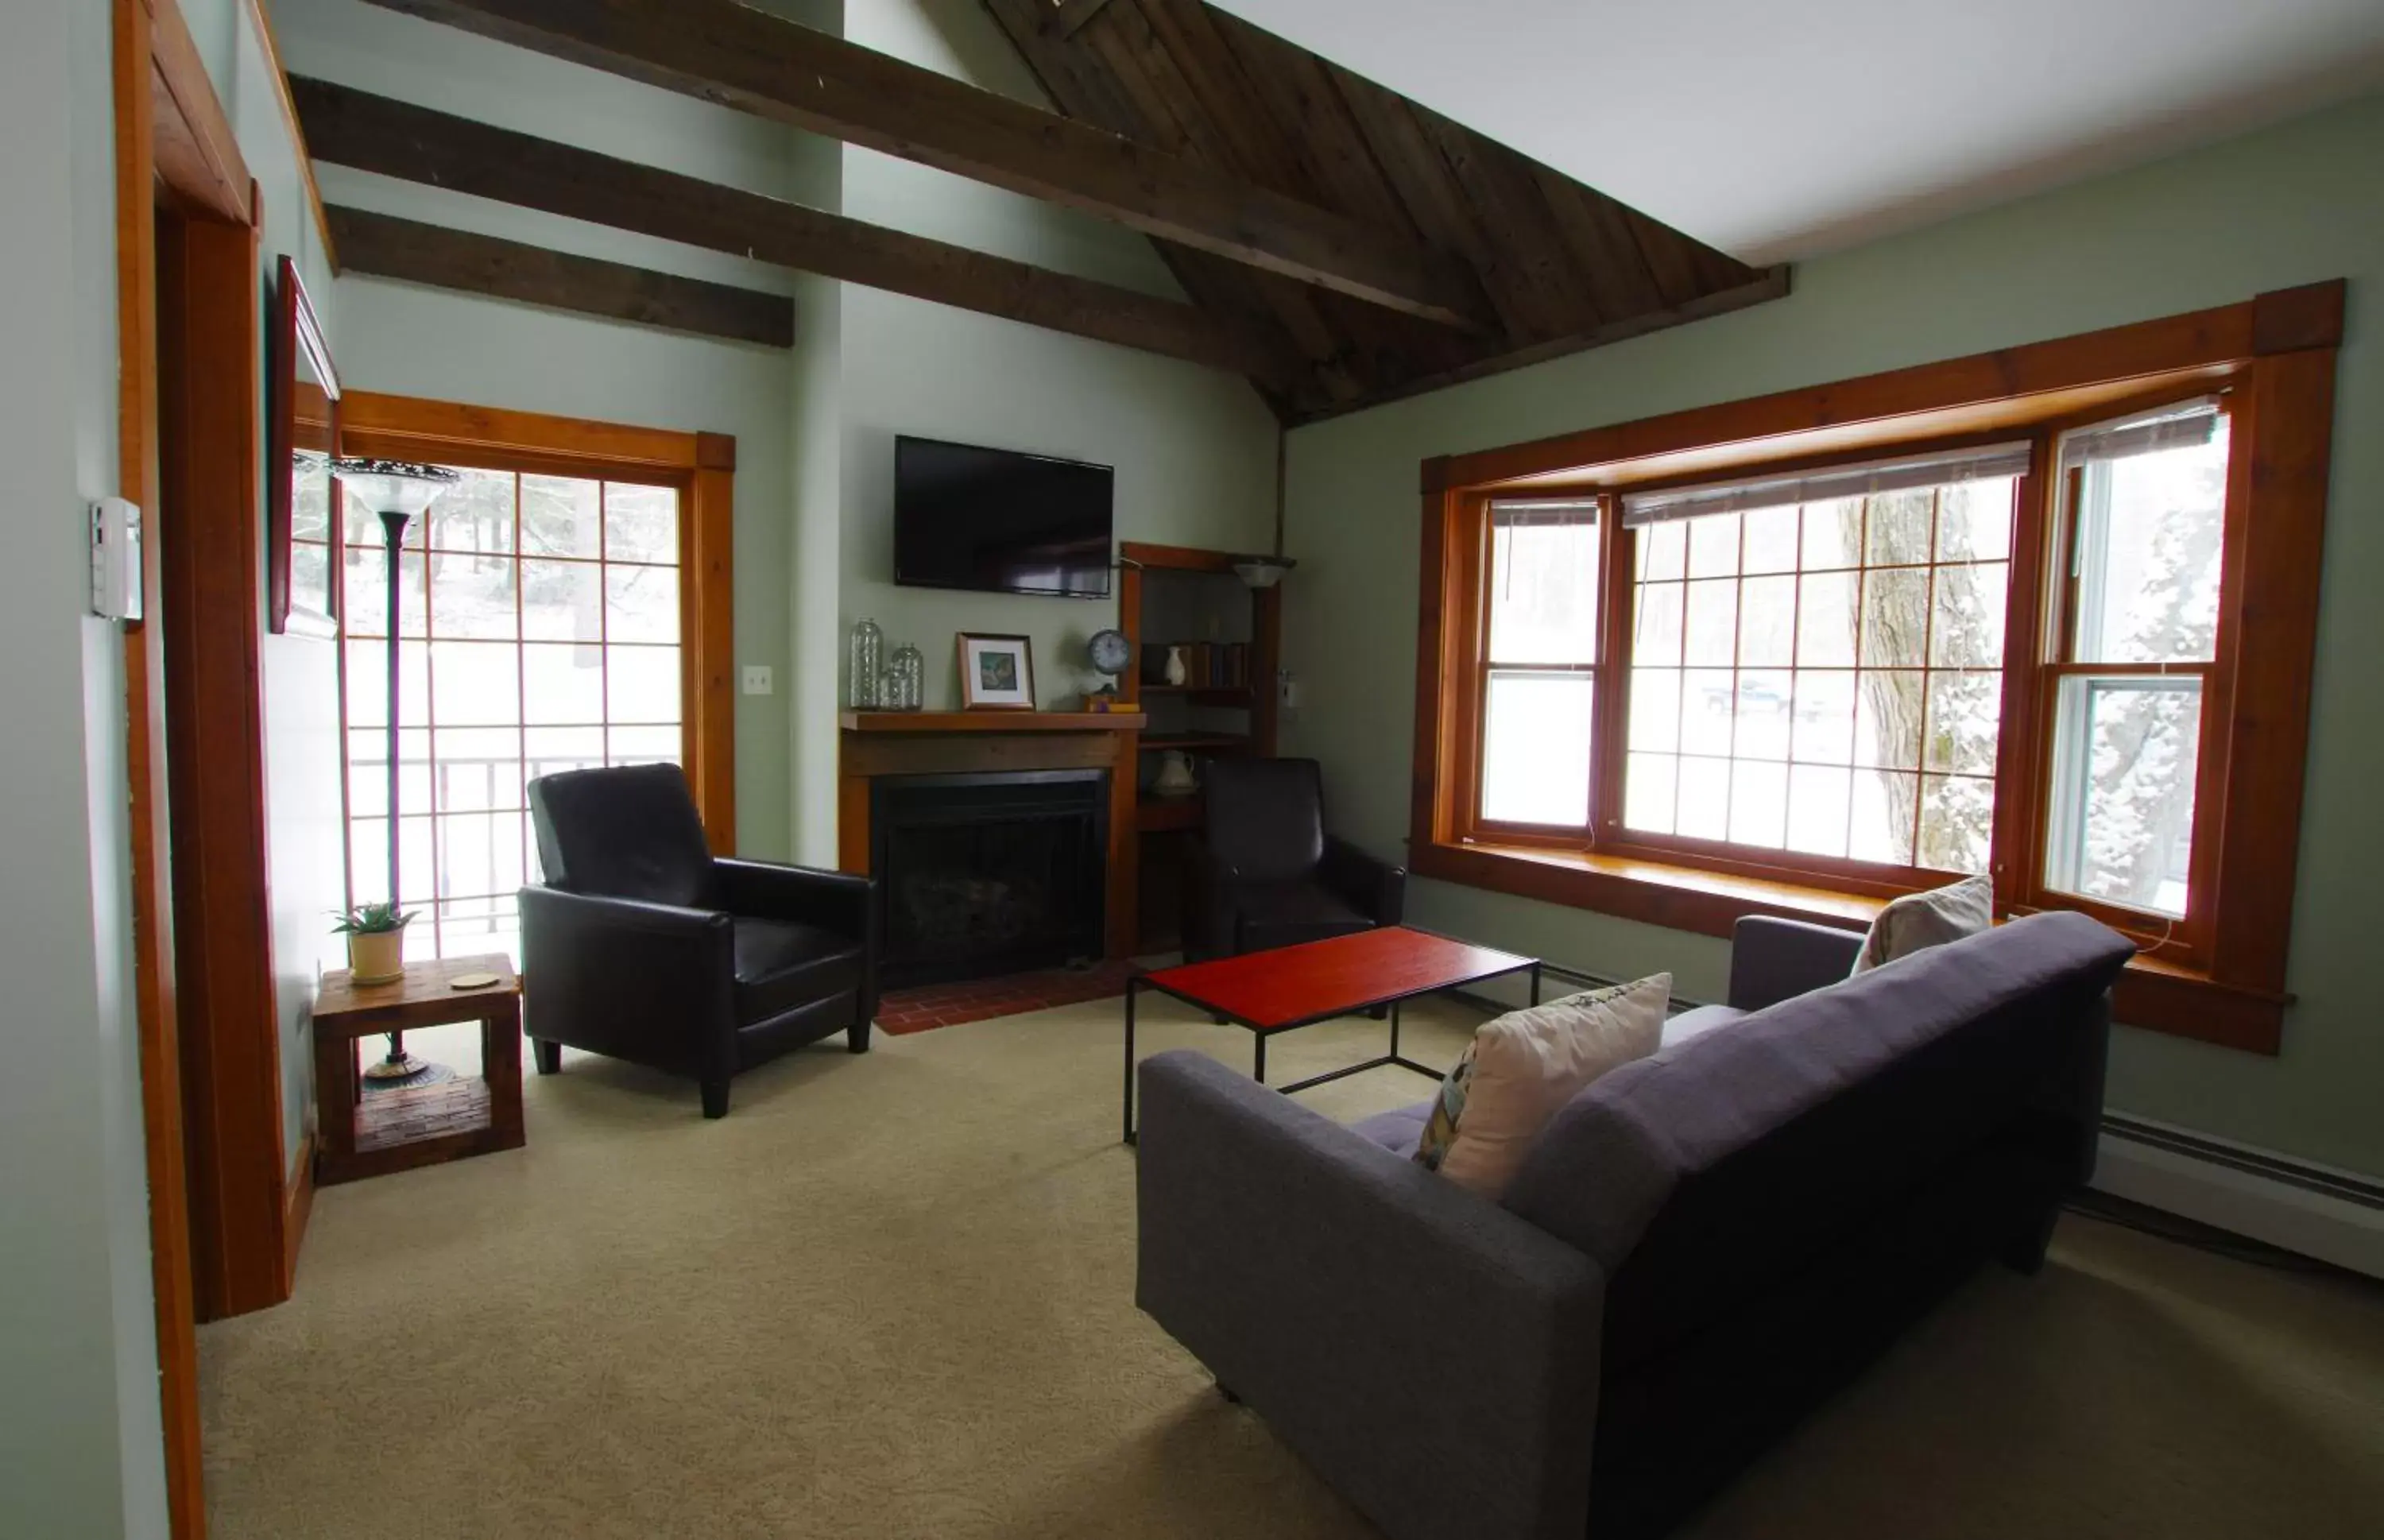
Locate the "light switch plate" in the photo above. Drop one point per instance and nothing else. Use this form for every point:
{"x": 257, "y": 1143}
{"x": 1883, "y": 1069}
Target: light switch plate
{"x": 757, "y": 678}
{"x": 116, "y": 543}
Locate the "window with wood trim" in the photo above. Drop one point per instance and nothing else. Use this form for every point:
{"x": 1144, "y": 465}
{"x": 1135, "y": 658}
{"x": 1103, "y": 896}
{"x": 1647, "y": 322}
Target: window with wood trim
{"x": 1816, "y": 664}
{"x": 562, "y": 606}
{"x": 539, "y": 631}
{"x": 1725, "y": 671}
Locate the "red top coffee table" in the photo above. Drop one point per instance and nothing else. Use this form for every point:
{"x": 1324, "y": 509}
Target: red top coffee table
{"x": 1295, "y": 986}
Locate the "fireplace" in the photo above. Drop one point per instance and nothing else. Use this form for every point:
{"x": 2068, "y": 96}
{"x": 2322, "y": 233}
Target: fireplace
{"x": 987, "y": 874}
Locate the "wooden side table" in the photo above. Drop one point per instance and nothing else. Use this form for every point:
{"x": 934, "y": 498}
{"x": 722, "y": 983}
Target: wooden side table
{"x": 419, "y": 1126}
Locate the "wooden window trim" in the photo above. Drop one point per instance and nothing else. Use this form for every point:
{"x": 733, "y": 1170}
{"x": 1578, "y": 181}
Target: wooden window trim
{"x": 2221, "y": 979}
{"x": 702, "y": 467}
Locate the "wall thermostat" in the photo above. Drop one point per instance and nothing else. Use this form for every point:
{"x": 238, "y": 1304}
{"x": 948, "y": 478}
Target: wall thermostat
{"x": 116, "y": 559}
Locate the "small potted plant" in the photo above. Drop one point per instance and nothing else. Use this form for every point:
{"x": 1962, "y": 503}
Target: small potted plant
{"x": 376, "y": 934}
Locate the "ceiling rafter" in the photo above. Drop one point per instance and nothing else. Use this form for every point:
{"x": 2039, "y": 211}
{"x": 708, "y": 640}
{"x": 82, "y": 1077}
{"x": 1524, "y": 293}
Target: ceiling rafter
{"x": 347, "y": 127}
{"x": 382, "y": 246}
{"x": 722, "y": 52}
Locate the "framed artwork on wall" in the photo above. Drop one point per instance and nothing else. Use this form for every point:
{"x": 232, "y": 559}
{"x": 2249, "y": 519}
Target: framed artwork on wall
{"x": 302, "y": 527}
{"x": 997, "y": 672}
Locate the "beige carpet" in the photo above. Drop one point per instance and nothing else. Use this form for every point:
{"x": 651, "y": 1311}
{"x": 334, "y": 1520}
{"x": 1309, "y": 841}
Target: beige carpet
{"x": 891, "y": 1296}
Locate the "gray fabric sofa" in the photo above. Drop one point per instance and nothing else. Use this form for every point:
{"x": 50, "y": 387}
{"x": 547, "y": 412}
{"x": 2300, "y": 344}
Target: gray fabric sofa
{"x": 1703, "y": 1245}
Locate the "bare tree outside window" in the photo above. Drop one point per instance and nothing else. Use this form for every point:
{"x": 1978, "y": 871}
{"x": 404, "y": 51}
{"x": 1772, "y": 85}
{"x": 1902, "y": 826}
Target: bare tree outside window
{"x": 1825, "y": 678}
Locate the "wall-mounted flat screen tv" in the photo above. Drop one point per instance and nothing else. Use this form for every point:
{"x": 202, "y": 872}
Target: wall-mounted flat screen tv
{"x": 997, "y": 520}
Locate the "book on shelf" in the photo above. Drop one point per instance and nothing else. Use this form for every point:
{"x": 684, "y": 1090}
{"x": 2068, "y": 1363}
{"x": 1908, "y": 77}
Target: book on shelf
{"x": 1207, "y": 664}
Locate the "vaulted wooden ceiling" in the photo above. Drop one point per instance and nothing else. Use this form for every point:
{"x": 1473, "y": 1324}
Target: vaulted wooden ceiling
{"x": 1340, "y": 244}
{"x": 1561, "y": 267}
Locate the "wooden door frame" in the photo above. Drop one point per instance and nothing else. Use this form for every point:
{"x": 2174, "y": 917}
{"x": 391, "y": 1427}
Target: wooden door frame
{"x": 206, "y": 542}
{"x": 179, "y": 169}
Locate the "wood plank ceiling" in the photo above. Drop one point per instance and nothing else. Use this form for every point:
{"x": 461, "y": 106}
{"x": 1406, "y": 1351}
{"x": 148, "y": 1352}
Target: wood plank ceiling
{"x": 1561, "y": 267}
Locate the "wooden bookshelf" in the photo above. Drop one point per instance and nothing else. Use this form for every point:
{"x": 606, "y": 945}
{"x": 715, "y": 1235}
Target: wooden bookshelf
{"x": 1200, "y": 719}
{"x": 1167, "y": 815}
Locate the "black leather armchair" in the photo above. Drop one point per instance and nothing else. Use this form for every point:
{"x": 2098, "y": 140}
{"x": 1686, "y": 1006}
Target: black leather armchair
{"x": 1264, "y": 874}
{"x": 643, "y": 946}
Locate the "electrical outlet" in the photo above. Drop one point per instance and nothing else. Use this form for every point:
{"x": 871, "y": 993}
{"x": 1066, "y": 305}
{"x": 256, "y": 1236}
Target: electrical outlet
{"x": 757, "y": 678}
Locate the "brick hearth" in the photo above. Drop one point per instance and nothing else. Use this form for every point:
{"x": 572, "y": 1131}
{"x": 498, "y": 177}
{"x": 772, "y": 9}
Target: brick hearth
{"x": 923, "y": 1009}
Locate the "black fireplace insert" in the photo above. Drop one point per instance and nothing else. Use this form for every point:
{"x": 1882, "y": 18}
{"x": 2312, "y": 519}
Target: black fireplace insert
{"x": 989, "y": 874}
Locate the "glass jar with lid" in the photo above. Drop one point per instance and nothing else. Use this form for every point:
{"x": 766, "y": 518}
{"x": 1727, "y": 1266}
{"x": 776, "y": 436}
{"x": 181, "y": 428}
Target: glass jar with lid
{"x": 864, "y": 666}
{"x": 905, "y": 684}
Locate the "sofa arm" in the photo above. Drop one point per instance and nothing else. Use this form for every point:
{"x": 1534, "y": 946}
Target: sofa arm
{"x": 1432, "y": 1355}
{"x": 1375, "y": 888}
{"x": 647, "y": 982}
{"x": 1775, "y": 960}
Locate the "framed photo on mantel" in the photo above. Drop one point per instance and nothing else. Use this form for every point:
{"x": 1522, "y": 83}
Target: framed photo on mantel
{"x": 997, "y": 672}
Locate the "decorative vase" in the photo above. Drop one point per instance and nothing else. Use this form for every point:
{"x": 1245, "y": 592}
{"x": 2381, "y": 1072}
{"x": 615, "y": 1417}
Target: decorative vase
{"x": 906, "y": 674}
{"x": 377, "y": 956}
{"x": 1177, "y": 670}
{"x": 1174, "y": 778}
{"x": 864, "y": 665}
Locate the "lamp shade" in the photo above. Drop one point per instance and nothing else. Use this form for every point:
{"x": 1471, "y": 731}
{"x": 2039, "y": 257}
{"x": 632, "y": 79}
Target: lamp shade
{"x": 393, "y": 486}
{"x": 1262, "y": 572}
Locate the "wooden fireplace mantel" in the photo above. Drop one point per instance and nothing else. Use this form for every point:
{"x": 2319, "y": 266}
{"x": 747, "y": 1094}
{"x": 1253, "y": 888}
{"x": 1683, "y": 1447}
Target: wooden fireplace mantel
{"x": 993, "y": 721}
{"x": 876, "y": 743}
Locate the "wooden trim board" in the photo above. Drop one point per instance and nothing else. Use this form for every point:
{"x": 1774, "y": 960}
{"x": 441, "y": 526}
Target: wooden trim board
{"x": 206, "y": 539}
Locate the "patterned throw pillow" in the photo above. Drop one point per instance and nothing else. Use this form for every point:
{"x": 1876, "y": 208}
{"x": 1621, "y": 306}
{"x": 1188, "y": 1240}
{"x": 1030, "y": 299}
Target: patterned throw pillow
{"x": 1921, "y": 919}
{"x": 1440, "y": 1129}
{"x": 1521, "y": 1068}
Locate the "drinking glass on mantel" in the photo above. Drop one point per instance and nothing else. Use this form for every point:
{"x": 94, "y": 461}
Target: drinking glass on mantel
{"x": 864, "y": 667}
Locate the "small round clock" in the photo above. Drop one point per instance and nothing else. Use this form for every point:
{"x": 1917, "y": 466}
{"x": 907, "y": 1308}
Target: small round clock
{"x": 1111, "y": 653}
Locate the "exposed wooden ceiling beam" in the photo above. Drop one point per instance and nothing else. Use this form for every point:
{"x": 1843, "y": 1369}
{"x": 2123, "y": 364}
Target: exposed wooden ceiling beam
{"x": 1067, "y": 16}
{"x": 723, "y": 52}
{"x": 386, "y": 246}
{"x": 374, "y": 133}
{"x": 1770, "y": 283}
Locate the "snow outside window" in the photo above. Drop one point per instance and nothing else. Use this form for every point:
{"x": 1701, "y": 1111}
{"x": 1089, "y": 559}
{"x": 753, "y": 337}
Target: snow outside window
{"x": 2146, "y": 530}
{"x": 1824, "y": 676}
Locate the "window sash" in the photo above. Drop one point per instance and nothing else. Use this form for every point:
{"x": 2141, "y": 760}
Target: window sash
{"x": 2072, "y": 799}
{"x": 2179, "y": 425}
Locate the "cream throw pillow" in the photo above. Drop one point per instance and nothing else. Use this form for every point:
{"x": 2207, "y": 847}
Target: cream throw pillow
{"x": 1920, "y": 919}
{"x": 1523, "y": 1067}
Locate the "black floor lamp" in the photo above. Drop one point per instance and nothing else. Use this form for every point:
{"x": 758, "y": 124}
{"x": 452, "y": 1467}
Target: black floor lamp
{"x": 397, "y": 491}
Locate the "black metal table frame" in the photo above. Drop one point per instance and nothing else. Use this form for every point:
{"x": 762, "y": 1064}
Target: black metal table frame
{"x": 1259, "y": 1034}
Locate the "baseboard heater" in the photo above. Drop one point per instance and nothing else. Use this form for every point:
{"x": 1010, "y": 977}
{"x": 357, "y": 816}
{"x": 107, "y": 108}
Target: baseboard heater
{"x": 2334, "y": 1215}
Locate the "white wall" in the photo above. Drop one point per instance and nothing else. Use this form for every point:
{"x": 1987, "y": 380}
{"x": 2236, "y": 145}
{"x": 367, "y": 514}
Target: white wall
{"x": 80, "y": 1446}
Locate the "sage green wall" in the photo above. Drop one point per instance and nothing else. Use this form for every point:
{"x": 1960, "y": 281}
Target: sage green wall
{"x": 409, "y": 339}
{"x": 2293, "y": 205}
{"x": 1194, "y": 448}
